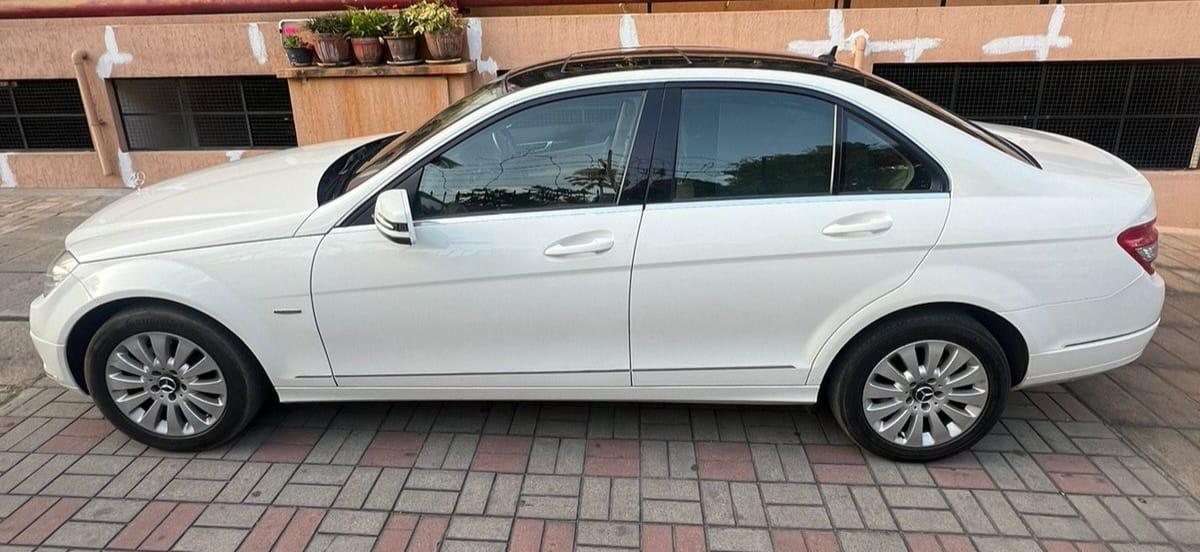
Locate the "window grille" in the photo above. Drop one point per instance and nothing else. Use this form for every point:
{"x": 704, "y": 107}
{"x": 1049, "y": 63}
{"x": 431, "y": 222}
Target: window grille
{"x": 205, "y": 113}
{"x": 42, "y": 114}
{"x": 1145, "y": 112}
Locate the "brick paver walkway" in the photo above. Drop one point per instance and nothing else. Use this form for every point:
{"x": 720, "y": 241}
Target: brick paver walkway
{"x": 1059, "y": 473}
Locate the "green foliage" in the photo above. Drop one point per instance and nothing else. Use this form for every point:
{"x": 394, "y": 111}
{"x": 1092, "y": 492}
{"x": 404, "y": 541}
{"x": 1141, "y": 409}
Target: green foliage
{"x": 329, "y": 23}
{"x": 433, "y": 17}
{"x": 399, "y": 25}
{"x": 292, "y": 41}
{"x": 365, "y": 22}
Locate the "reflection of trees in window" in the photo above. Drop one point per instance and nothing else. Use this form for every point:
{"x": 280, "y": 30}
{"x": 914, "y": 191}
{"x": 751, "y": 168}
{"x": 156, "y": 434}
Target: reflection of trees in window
{"x": 780, "y": 174}
{"x": 595, "y": 182}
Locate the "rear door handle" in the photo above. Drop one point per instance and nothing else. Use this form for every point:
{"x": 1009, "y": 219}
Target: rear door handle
{"x": 859, "y": 225}
{"x": 590, "y": 244}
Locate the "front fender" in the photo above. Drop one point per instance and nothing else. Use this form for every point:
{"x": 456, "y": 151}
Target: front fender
{"x": 259, "y": 291}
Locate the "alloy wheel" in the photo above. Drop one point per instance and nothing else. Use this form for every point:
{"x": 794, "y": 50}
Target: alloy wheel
{"x": 166, "y": 384}
{"x": 925, "y": 393}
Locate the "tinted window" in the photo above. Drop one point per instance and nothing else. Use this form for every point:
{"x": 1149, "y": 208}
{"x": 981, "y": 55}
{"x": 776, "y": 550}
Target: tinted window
{"x": 873, "y": 162}
{"x": 560, "y": 154}
{"x": 747, "y": 143}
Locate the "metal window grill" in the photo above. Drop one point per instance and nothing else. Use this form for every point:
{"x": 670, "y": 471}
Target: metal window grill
{"x": 42, "y": 114}
{"x": 1145, "y": 112}
{"x": 205, "y": 113}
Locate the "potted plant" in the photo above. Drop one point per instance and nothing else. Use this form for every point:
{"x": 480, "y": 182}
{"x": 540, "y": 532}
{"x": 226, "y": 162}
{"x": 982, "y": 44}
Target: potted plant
{"x": 441, "y": 28}
{"x": 400, "y": 40}
{"x": 333, "y": 50}
{"x": 366, "y": 26}
{"x": 297, "y": 51}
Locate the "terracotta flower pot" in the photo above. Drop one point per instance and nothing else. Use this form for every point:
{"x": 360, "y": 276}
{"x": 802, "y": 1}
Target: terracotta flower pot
{"x": 299, "y": 57}
{"x": 332, "y": 50}
{"x": 368, "y": 51}
{"x": 402, "y": 49}
{"x": 444, "y": 46}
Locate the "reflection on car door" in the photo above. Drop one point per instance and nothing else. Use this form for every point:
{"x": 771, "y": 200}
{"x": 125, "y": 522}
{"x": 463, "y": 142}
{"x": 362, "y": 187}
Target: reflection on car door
{"x": 519, "y": 270}
{"x": 779, "y": 216}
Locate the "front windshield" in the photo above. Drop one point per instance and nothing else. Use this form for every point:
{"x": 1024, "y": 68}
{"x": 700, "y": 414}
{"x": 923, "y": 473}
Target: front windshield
{"x": 403, "y": 143}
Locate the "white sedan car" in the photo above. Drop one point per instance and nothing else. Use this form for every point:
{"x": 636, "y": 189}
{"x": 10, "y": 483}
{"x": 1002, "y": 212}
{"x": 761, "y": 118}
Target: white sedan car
{"x": 657, "y": 225}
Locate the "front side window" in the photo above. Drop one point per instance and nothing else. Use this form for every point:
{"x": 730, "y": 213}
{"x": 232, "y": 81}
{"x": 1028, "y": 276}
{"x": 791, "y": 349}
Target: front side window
{"x": 565, "y": 153}
{"x": 752, "y": 143}
{"x": 873, "y": 162}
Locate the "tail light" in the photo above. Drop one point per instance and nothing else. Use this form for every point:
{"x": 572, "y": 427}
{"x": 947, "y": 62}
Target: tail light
{"x": 1141, "y": 242}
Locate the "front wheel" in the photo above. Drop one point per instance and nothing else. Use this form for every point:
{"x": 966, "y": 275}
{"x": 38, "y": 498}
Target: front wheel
{"x": 171, "y": 379}
{"x": 921, "y": 387}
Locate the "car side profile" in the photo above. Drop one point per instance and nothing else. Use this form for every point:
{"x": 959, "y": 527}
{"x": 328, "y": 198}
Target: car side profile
{"x": 650, "y": 225}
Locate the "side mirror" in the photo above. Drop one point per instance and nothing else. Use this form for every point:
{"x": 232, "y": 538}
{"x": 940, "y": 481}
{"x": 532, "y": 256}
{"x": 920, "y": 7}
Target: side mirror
{"x": 393, "y": 216}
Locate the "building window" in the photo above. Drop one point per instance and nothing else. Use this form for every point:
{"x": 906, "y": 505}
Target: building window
{"x": 205, "y": 113}
{"x": 1145, "y": 112}
{"x": 42, "y": 115}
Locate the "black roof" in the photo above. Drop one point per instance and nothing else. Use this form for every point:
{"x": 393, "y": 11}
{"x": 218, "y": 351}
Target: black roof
{"x": 608, "y": 61}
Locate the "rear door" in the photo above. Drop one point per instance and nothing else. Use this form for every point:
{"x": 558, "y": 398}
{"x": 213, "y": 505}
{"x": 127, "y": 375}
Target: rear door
{"x": 773, "y": 215}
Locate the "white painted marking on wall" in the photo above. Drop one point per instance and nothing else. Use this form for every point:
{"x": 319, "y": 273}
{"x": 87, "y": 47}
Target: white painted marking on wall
{"x": 1040, "y": 45}
{"x": 487, "y": 66}
{"x": 835, "y": 28}
{"x": 7, "y": 178}
{"x": 234, "y": 155}
{"x": 912, "y": 48}
{"x": 132, "y": 178}
{"x": 628, "y": 32}
{"x": 258, "y": 44}
{"x": 112, "y": 56}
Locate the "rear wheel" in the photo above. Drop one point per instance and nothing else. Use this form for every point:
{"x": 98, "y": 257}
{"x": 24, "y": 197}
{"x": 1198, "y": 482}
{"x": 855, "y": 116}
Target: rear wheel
{"x": 921, "y": 387}
{"x": 172, "y": 380}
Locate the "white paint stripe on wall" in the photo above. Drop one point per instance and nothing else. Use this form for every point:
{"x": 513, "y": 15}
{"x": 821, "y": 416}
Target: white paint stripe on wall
{"x": 7, "y": 178}
{"x": 234, "y": 155}
{"x": 627, "y": 32}
{"x": 131, "y": 177}
{"x": 258, "y": 44}
{"x": 835, "y": 27}
{"x": 487, "y": 66}
{"x": 1040, "y": 45}
{"x": 112, "y": 56}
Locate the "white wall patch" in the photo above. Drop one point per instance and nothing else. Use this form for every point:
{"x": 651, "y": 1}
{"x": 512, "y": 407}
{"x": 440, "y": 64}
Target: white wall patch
{"x": 1040, "y": 45}
{"x": 234, "y": 155}
{"x": 258, "y": 44}
{"x": 112, "y": 55}
{"x": 7, "y": 178}
{"x": 132, "y": 178}
{"x": 912, "y": 48}
{"x": 475, "y": 48}
{"x": 627, "y": 32}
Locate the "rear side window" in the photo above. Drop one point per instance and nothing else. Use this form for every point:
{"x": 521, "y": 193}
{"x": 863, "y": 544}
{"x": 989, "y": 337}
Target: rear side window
{"x": 752, "y": 143}
{"x": 871, "y": 161}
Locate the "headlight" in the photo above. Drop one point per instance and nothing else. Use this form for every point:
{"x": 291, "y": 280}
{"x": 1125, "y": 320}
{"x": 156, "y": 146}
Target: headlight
{"x": 58, "y": 271}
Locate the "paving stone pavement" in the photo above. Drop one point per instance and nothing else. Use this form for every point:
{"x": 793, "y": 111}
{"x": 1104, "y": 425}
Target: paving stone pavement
{"x": 1106, "y": 463}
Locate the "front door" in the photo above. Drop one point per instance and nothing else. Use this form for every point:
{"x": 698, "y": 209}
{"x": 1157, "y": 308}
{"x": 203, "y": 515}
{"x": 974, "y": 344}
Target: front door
{"x": 518, "y": 274}
{"x": 780, "y": 215}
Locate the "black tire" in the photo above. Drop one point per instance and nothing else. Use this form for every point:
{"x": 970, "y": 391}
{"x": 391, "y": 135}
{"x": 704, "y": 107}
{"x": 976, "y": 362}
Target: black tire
{"x": 245, "y": 385}
{"x": 854, "y": 366}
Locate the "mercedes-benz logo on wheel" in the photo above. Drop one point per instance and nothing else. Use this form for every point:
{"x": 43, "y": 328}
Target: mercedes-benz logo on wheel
{"x": 166, "y": 384}
{"x": 923, "y": 394}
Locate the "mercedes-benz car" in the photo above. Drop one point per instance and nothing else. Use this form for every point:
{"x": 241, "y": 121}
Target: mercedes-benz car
{"x": 653, "y": 225}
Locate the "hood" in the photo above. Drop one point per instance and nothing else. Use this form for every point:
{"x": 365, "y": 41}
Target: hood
{"x": 1060, "y": 154}
{"x": 261, "y": 197}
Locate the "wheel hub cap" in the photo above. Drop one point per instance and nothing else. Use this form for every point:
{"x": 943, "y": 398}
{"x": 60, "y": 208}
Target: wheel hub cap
{"x": 166, "y": 384}
{"x": 925, "y": 393}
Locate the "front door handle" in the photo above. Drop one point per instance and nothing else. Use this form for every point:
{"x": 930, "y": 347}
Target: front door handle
{"x": 859, "y": 225}
{"x": 589, "y": 244}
